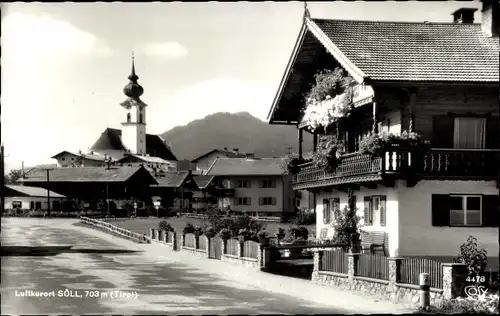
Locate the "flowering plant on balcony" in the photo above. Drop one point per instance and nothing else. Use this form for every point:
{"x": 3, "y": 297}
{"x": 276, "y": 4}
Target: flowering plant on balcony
{"x": 376, "y": 144}
{"x": 328, "y": 153}
{"x": 329, "y": 99}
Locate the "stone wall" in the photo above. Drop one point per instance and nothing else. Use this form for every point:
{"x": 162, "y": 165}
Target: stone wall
{"x": 248, "y": 262}
{"x": 454, "y": 277}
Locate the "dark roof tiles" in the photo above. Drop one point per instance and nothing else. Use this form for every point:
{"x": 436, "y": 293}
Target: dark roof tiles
{"x": 416, "y": 51}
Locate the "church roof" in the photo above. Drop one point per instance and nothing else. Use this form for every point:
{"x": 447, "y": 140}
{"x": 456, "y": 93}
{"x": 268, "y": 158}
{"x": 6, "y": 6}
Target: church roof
{"x": 110, "y": 140}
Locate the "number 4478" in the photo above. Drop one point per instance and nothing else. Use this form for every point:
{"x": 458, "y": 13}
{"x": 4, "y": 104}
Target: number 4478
{"x": 476, "y": 279}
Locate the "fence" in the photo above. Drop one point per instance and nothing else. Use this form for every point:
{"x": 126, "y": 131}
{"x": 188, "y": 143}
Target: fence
{"x": 233, "y": 246}
{"x": 113, "y": 228}
{"x": 373, "y": 266}
{"x": 190, "y": 241}
{"x": 203, "y": 243}
{"x": 411, "y": 268}
{"x": 335, "y": 260}
{"x": 250, "y": 249}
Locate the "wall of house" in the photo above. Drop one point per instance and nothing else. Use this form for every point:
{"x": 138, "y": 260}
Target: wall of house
{"x": 282, "y": 192}
{"x": 439, "y": 101}
{"x": 419, "y": 237}
{"x": 69, "y": 160}
{"x": 26, "y": 201}
{"x": 305, "y": 201}
{"x": 392, "y": 212}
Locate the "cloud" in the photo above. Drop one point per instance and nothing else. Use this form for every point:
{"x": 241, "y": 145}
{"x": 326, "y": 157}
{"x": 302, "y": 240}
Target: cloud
{"x": 33, "y": 36}
{"x": 167, "y": 50}
{"x": 39, "y": 56}
{"x": 208, "y": 97}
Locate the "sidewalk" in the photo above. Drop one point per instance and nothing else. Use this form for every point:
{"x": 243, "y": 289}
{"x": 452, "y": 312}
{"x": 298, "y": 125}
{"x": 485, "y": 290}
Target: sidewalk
{"x": 299, "y": 288}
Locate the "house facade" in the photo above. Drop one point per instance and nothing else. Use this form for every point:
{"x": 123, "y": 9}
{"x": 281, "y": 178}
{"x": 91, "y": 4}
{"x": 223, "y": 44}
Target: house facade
{"x": 30, "y": 198}
{"x": 71, "y": 159}
{"x": 255, "y": 186}
{"x": 439, "y": 80}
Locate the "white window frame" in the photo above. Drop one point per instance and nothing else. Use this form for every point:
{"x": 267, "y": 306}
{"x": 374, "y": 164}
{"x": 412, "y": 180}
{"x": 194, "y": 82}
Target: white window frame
{"x": 465, "y": 210}
{"x": 242, "y": 200}
{"x": 242, "y": 183}
{"x": 375, "y": 210}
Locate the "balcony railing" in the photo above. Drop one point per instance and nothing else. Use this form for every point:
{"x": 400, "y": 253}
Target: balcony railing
{"x": 438, "y": 163}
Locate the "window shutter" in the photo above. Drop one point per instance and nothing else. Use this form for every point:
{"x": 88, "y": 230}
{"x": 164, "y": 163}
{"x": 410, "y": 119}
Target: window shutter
{"x": 492, "y": 132}
{"x": 490, "y": 210}
{"x": 249, "y": 201}
{"x": 261, "y": 201}
{"x": 440, "y": 210}
{"x": 383, "y": 211}
{"x": 442, "y": 131}
{"x": 325, "y": 210}
{"x": 273, "y": 200}
{"x": 366, "y": 211}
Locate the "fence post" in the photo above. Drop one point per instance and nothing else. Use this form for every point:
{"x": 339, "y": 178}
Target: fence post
{"x": 224, "y": 246}
{"x": 352, "y": 265}
{"x": 181, "y": 242}
{"x": 240, "y": 252}
{"x": 316, "y": 264}
{"x": 165, "y": 236}
{"x": 424, "y": 290}
{"x": 151, "y": 233}
{"x": 394, "y": 274}
{"x": 454, "y": 279}
{"x": 209, "y": 244}
{"x": 161, "y": 235}
{"x": 175, "y": 242}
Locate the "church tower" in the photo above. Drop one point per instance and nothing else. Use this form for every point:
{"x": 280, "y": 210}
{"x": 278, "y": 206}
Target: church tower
{"x": 134, "y": 126}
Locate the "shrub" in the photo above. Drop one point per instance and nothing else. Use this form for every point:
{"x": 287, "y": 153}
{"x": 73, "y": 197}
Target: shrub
{"x": 483, "y": 304}
{"x": 476, "y": 259}
{"x": 188, "y": 229}
{"x": 303, "y": 217}
{"x": 164, "y": 225}
{"x": 346, "y": 224}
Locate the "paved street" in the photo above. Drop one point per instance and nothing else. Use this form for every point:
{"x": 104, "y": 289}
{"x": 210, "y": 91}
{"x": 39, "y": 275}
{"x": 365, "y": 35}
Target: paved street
{"x": 105, "y": 274}
{"x": 93, "y": 264}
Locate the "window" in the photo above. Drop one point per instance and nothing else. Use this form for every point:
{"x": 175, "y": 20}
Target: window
{"x": 242, "y": 184}
{"x": 267, "y": 201}
{"x": 38, "y": 205}
{"x": 56, "y": 205}
{"x": 140, "y": 118}
{"x": 63, "y": 158}
{"x": 128, "y": 118}
{"x": 326, "y": 211}
{"x": 17, "y": 204}
{"x": 469, "y": 132}
{"x": 32, "y": 205}
{"x": 336, "y": 207}
{"x": 465, "y": 210}
{"x": 375, "y": 210}
{"x": 219, "y": 183}
{"x": 243, "y": 201}
{"x": 267, "y": 184}
{"x": 297, "y": 202}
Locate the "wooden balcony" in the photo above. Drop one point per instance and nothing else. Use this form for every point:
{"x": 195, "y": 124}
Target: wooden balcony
{"x": 452, "y": 164}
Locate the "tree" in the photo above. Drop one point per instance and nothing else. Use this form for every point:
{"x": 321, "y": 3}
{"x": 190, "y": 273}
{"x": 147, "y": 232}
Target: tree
{"x": 14, "y": 176}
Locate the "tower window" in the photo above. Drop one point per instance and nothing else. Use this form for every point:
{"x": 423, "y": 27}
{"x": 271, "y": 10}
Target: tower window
{"x": 140, "y": 118}
{"x": 128, "y": 117}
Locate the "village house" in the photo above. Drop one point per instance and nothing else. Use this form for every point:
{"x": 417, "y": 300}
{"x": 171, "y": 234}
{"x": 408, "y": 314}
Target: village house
{"x": 174, "y": 190}
{"x": 255, "y": 186}
{"x": 31, "y": 198}
{"x": 206, "y": 194}
{"x": 438, "y": 80}
{"x": 205, "y": 161}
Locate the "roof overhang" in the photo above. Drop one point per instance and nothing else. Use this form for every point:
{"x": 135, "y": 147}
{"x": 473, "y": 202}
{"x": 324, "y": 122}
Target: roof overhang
{"x": 308, "y": 28}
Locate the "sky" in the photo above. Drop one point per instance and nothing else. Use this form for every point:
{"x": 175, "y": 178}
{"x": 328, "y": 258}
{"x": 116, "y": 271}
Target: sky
{"x": 64, "y": 65}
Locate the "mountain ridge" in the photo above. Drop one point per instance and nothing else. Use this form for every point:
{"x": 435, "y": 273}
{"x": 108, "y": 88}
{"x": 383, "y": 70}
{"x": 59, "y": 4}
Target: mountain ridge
{"x": 233, "y": 130}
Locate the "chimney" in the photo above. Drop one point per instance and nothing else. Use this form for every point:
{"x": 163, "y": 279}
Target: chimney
{"x": 225, "y": 148}
{"x": 490, "y": 18}
{"x": 464, "y": 15}
{"x": 250, "y": 155}
{"x": 236, "y": 150}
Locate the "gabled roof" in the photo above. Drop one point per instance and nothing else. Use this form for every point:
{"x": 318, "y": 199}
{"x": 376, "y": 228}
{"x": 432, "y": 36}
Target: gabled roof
{"x": 21, "y": 190}
{"x": 84, "y": 174}
{"x": 246, "y": 167}
{"x": 227, "y": 153}
{"x": 96, "y": 157}
{"x": 403, "y": 51}
{"x": 203, "y": 181}
{"x": 174, "y": 179}
{"x": 110, "y": 140}
{"x": 372, "y": 51}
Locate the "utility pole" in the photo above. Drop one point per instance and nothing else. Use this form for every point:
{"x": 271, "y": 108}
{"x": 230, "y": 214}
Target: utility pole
{"x": 48, "y": 189}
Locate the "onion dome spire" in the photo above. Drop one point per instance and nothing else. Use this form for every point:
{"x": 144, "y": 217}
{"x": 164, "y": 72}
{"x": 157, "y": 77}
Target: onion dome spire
{"x": 133, "y": 89}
